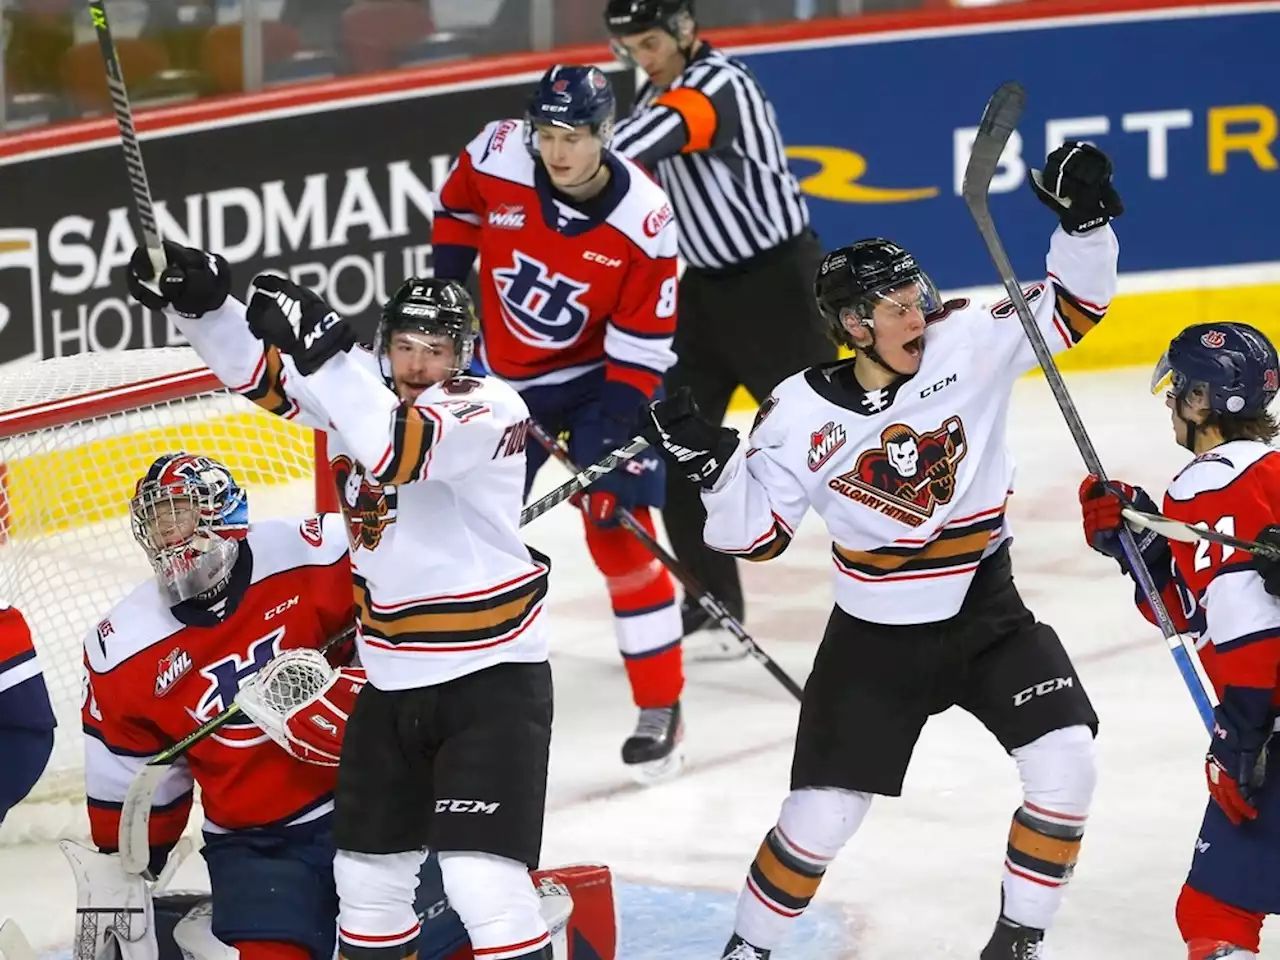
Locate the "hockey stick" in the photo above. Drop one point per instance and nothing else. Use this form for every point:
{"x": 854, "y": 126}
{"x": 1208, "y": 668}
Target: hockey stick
{"x": 583, "y": 479}
{"x": 142, "y": 204}
{"x": 13, "y": 943}
{"x": 707, "y": 601}
{"x": 135, "y": 811}
{"x": 1172, "y": 529}
{"x": 998, "y": 122}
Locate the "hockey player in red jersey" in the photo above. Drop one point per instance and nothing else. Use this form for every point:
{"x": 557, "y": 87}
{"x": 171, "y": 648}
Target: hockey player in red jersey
{"x": 1221, "y": 379}
{"x": 226, "y": 598}
{"x": 578, "y": 280}
{"x": 26, "y": 717}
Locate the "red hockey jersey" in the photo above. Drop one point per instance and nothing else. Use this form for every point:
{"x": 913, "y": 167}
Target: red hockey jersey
{"x": 1234, "y": 489}
{"x": 562, "y": 290}
{"x": 23, "y": 704}
{"x": 150, "y": 681}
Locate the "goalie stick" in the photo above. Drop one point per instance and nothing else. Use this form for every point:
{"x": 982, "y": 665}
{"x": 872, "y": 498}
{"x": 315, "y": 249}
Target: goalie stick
{"x": 998, "y": 123}
{"x": 142, "y": 204}
{"x": 706, "y": 600}
{"x": 135, "y": 813}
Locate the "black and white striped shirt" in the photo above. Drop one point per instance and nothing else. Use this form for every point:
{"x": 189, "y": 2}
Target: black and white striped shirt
{"x": 712, "y": 139}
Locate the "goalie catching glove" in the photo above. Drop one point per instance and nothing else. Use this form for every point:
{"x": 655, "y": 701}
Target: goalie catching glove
{"x": 300, "y": 324}
{"x": 303, "y": 704}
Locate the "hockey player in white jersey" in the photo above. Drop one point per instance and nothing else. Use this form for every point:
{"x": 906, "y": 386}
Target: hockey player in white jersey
{"x": 448, "y": 744}
{"x": 902, "y": 451}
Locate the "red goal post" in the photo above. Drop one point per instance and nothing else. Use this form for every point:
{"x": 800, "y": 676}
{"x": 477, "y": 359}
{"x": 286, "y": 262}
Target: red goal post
{"x": 76, "y": 433}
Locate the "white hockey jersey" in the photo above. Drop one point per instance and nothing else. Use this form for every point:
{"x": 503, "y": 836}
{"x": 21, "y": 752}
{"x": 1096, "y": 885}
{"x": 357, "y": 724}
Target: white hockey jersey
{"x": 432, "y": 492}
{"x": 911, "y": 480}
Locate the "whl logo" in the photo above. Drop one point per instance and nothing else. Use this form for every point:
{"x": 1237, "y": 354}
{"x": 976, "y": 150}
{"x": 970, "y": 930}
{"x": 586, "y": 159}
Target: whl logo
{"x": 507, "y": 216}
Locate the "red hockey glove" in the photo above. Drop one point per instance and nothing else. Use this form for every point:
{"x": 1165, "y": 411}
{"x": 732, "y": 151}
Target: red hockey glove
{"x": 1237, "y": 760}
{"x": 1101, "y": 504}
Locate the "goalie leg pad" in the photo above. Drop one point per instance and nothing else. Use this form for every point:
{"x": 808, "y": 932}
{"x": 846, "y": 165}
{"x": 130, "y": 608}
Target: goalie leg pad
{"x": 498, "y": 906}
{"x": 274, "y": 887}
{"x": 594, "y": 925}
{"x": 112, "y": 907}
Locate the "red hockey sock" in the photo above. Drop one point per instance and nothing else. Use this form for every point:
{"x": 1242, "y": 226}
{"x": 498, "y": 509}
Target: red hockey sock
{"x": 645, "y": 614}
{"x": 1204, "y": 918}
{"x": 271, "y": 950}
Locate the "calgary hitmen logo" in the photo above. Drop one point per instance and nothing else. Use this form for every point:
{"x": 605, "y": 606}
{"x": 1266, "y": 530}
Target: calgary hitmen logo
{"x": 909, "y": 474}
{"x": 368, "y": 508}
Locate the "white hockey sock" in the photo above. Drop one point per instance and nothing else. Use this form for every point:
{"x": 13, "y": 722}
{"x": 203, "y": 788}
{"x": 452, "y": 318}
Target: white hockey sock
{"x": 1058, "y": 777}
{"x": 812, "y": 827}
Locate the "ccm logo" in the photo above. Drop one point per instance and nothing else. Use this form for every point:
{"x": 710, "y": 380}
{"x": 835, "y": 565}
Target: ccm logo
{"x": 276, "y": 611}
{"x": 1043, "y": 688}
{"x": 655, "y": 221}
{"x": 600, "y": 258}
{"x": 940, "y": 385}
{"x": 466, "y": 806}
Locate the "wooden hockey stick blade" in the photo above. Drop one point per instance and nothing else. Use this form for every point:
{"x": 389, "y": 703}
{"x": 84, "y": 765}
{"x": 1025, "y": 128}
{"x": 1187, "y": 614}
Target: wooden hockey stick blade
{"x": 1172, "y": 529}
{"x": 999, "y": 120}
{"x": 584, "y": 479}
{"x": 13, "y": 942}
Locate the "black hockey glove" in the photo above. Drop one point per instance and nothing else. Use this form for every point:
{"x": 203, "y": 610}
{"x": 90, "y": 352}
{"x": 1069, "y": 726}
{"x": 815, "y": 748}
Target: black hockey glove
{"x": 194, "y": 283}
{"x": 1076, "y": 185}
{"x": 298, "y": 322}
{"x": 696, "y": 448}
{"x": 1269, "y": 569}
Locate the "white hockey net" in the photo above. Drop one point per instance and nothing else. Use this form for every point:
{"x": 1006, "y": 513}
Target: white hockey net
{"x": 76, "y": 433}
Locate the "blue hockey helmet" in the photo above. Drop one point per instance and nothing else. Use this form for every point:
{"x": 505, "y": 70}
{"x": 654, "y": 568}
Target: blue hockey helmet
{"x": 573, "y": 96}
{"x": 1233, "y": 364}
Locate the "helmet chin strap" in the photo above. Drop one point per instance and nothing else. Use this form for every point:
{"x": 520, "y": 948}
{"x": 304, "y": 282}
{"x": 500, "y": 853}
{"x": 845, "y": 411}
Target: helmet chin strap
{"x": 872, "y": 353}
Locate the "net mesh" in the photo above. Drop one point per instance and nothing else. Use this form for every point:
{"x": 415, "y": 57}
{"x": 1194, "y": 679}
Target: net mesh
{"x": 82, "y": 430}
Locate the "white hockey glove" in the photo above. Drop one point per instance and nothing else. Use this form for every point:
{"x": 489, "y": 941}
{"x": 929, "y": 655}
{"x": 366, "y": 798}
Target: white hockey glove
{"x": 114, "y": 915}
{"x": 302, "y": 704}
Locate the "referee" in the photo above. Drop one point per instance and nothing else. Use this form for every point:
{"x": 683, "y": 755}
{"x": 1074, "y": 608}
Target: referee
{"x": 747, "y": 315}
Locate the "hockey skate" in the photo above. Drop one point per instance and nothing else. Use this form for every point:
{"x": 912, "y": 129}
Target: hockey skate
{"x": 654, "y": 752}
{"x": 739, "y": 949}
{"x": 1012, "y": 941}
{"x": 704, "y": 638}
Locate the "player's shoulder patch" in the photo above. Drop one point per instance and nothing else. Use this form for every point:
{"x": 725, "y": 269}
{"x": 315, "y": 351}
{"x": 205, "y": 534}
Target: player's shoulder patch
{"x": 762, "y": 414}
{"x": 312, "y": 530}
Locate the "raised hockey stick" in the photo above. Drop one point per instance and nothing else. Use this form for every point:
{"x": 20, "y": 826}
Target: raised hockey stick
{"x": 707, "y": 601}
{"x": 1172, "y": 529}
{"x": 13, "y": 943}
{"x": 998, "y": 123}
{"x": 142, "y": 204}
{"x": 583, "y": 479}
{"x": 135, "y": 812}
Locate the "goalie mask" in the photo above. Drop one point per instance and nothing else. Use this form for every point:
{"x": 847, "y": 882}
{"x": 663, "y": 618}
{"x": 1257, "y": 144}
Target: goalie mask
{"x": 432, "y": 308}
{"x": 187, "y": 514}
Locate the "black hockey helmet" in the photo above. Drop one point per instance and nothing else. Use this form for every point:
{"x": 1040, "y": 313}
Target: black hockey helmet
{"x": 625, "y": 18}
{"x": 434, "y": 306}
{"x": 856, "y": 276}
